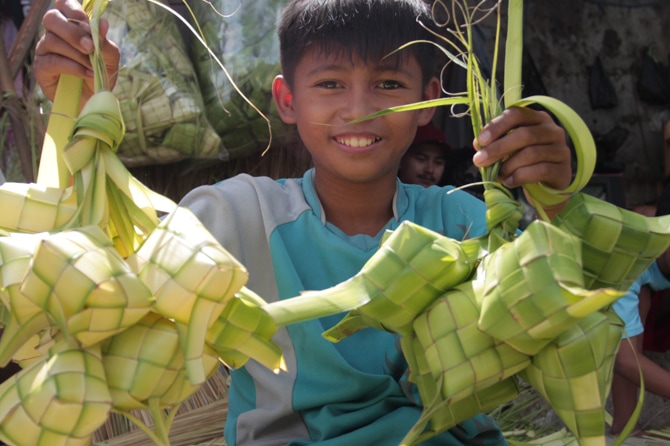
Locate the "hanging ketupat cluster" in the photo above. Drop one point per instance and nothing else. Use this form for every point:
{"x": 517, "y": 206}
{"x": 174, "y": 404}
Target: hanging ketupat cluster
{"x": 114, "y": 298}
{"x": 158, "y": 89}
{"x": 536, "y": 305}
{"x": 106, "y": 306}
{"x": 93, "y": 282}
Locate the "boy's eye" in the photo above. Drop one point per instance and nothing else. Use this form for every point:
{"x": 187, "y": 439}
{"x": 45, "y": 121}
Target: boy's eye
{"x": 389, "y": 85}
{"x": 328, "y": 84}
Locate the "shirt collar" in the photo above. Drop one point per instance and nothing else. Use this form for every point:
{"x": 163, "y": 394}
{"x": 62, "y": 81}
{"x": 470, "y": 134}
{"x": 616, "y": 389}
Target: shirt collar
{"x": 400, "y": 199}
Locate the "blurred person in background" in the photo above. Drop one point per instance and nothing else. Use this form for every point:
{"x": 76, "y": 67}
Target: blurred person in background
{"x": 425, "y": 161}
{"x": 630, "y": 361}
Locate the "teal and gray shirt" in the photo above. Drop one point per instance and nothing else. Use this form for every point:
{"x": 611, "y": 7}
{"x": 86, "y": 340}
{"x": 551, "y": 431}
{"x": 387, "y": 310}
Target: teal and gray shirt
{"x": 349, "y": 393}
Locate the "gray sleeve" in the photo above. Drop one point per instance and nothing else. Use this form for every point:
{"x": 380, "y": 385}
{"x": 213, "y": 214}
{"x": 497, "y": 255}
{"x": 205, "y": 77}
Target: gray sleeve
{"x": 241, "y": 213}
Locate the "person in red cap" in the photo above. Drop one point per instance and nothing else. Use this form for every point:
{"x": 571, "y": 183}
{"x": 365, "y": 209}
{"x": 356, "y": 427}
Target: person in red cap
{"x": 425, "y": 160}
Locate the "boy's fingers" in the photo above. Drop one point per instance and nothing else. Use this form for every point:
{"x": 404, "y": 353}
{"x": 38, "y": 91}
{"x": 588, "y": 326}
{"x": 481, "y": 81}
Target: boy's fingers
{"x": 72, "y": 10}
{"x": 514, "y": 130}
{"x": 54, "y": 47}
{"x": 104, "y": 27}
{"x": 65, "y": 66}
{"x": 47, "y": 77}
{"x": 533, "y": 148}
{"x": 545, "y": 164}
{"x": 66, "y": 45}
{"x": 528, "y": 137}
{"x": 70, "y": 24}
{"x": 510, "y": 119}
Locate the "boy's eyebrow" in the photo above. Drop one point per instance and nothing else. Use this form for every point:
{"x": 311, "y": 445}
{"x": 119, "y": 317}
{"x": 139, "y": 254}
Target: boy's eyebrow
{"x": 326, "y": 67}
{"x": 390, "y": 66}
{"x": 377, "y": 68}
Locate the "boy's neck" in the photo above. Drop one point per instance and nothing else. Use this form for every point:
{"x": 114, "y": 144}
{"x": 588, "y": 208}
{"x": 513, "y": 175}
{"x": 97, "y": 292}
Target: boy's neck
{"x": 357, "y": 208}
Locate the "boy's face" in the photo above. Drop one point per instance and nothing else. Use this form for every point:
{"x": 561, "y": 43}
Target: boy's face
{"x": 330, "y": 91}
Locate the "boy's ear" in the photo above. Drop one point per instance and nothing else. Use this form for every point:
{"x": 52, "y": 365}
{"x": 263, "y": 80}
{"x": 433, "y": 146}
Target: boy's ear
{"x": 432, "y": 91}
{"x": 283, "y": 99}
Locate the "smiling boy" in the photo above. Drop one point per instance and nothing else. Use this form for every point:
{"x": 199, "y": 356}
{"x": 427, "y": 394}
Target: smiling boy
{"x": 313, "y": 232}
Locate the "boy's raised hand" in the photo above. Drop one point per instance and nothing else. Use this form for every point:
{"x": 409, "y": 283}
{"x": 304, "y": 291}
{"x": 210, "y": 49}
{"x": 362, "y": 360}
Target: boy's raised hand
{"x": 65, "y": 48}
{"x": 534, "y": 148}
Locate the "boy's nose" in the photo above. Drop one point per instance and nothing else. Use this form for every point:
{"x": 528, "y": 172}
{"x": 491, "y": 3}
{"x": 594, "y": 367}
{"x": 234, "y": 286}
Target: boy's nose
{"x": 358, "y": 104}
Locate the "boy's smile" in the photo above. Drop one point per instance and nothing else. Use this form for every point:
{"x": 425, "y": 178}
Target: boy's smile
{"x": 329, "y": 91}
{"x": 357, "y": 141}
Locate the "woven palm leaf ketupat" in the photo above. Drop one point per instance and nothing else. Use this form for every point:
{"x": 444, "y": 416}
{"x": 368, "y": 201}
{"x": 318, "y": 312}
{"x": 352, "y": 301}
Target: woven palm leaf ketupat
{"x": 409, "y": 271}
{"x": 533, "y": 304}
{"x": 618, "y": 244}
{"x": 37, "y": 207}
{"x": 84, "y": 286}
{"x": 574, "y": 372}
{"x": 476, "y": 374}
{"x": 58, "y": 400}
{"x": 145, "y": 365}
{"x": 544, "y": 261}
{"x": 108, "y": 289}
{"x": 244, "y": 331}
{"x": 21, "y": 317}
{"x": 191, "y": 277}
{"x": 449, "y": 352}
{"x": 158, "y": 90}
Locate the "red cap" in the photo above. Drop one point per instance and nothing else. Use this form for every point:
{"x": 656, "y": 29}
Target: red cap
{"x": 430, "y": 134}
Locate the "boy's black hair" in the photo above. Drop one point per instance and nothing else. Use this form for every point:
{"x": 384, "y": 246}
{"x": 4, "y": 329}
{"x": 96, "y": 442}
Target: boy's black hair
{"x": 369, "y": 29}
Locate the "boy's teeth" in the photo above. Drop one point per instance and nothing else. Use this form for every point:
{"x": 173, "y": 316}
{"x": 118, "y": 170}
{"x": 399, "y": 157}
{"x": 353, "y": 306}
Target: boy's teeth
{"x": 357, "y": 142}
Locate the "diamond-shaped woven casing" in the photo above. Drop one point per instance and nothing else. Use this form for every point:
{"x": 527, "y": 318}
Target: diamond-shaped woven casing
{"x": 529, "y": 286}
{"x": 412, "y": 268}
{"x": 459, "y": 370}
{"x": 617, "y": 244}
{"x": 146, "y": 362}
{"x": 574, "y": 373}
{"x": 451, "y": 349}
{"x": 192, "y": 277}
{"x": 84, "y": 286}
{"x": 61, "y": 399}
{"x": 244, "y": 331}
